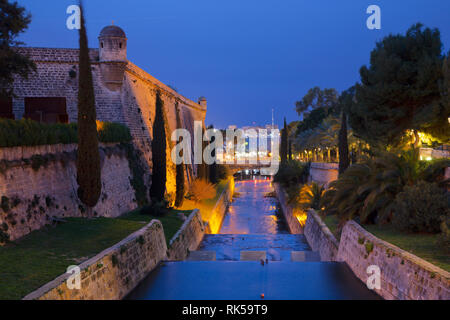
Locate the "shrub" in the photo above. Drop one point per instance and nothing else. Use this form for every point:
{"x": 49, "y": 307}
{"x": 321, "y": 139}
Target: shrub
{"x": 369, "y": 189}
{"x": 25, "y": 132}
{"x": 201, "y": 189}
{"x": 111, "y": 132}
{"x": 444, "y": 237}
{"x": 156, "y": 209}
{"x": 419, "y": 208}
{"x": 292, "y": 172}
{"x": 222, "y": 172}
{"x": 310, "y": 196}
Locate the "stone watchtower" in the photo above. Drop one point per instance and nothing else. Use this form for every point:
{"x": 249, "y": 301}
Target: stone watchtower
{"x": 113, "y": 56}
{"x": 202, "y": 101}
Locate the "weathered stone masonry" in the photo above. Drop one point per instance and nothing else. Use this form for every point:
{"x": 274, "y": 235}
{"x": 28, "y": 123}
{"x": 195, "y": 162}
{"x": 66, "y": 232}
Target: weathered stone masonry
{"x": 113, "y": 273}
{"x": 404, "y": 276}
{"x": 37, "y": 195}
{"x": 124, "y": 93}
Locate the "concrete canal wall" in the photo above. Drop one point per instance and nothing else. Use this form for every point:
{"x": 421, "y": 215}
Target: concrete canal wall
{"x": 320, "y": 238}
{"x": 214, "y": 218}
{"x": 288, "y": 210}
{"x": 403, "y": 276}
{"x": 114, "y": 272}
{"x": 188, "y": 238}
{"x": 323, "y": 173}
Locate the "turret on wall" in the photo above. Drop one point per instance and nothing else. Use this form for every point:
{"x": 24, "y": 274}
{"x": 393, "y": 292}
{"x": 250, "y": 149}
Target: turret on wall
{"x": 202, "y": 101}
{"x": 113, "y": 56}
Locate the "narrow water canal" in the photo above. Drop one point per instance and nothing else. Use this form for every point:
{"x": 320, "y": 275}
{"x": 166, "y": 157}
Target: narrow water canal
{"x": 253, "y": 223}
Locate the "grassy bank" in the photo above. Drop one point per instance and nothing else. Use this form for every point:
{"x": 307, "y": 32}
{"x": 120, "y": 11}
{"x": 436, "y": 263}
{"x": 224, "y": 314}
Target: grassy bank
{"x": 422, "y": 245}
{"x": 42, "y": 255}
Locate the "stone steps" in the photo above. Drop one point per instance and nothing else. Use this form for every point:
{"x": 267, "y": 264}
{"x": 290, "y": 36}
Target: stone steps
{"x": 253, "y": 255}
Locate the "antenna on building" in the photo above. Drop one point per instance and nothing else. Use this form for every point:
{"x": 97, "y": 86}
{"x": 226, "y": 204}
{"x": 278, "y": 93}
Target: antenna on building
{"x": 272, "y": 119}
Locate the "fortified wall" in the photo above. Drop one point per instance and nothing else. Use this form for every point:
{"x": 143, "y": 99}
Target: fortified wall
{"x": 38, "y": 186}
{"x": 124, "y": 93}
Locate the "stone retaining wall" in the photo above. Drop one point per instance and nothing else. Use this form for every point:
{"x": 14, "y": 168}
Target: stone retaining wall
{"x": 35, "y": 195}
{"x": 288, "y": 210}
{"x": 214, "y": 218}
{"x": 113, "y": 273}
{"x": 188, "y": 238}
{"x": 403, "y": 275}
{"x": 323, "y": 173}
{"x": 320, "y": 238}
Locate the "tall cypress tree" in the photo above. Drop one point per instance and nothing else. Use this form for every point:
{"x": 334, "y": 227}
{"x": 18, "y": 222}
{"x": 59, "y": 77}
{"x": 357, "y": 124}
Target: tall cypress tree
{"x": 202, "y": 168}
{"x": 88, "y": 157}
{"x": 159, "y": 173}
{"x": 344, "y": 160}
{"x": 290, "y": 150}
{"x": 212, "y": 168}
{"x": 284, "y": 143}
{"x": 179, "y": 197}
{"x": 345, "y": 102}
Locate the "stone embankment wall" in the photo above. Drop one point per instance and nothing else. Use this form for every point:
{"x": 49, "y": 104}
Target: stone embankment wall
{"x": 113, "y": 273}
{"x": 403, "y": 275}
{"x": 188, "y": 238}
{"x": 39, "y": 183}
{"x": 214, "y": 218}
{"x": 320, "y": 238}
{"x": 323, "y": 173}
{"x": 288, "y": 210}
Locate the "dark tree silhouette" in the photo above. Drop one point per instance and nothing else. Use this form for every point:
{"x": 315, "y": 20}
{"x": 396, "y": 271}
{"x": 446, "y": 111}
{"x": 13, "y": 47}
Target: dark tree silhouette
{"x": 159, "y": 145}
{"x": 13, "y": 21}
{"x": 179, "y": 196}
{"x": 88, "y": 157}
{"x": 400, "y": 90}
{"x": 284, "y": 143}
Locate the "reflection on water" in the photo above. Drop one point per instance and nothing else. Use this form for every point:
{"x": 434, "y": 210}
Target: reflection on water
{"x": 254, "y": 222}
{"x": 253, "y": 213}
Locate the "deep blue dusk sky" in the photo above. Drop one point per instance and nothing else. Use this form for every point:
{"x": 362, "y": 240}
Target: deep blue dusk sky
{"x": 245, "y": 56}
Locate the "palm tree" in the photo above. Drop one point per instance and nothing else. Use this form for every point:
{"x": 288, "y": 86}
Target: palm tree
{"x": 310, "y": 196}
{"x": 368, "y": 189}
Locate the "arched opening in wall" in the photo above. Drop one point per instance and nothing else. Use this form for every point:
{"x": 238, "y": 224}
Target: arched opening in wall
{"x": 46, "y": 109}
{"x": 120, "y": 45}
{"x": 101, "y": 44}
{"x": 6, "y": 110}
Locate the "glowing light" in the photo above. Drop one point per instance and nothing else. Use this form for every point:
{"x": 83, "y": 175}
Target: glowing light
{"x": 301, "y": 217}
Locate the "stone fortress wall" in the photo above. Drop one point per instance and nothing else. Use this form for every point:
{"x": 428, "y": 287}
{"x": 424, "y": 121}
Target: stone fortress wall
{"x": 35, "y": 191}
{"x": 124, "y": 92}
